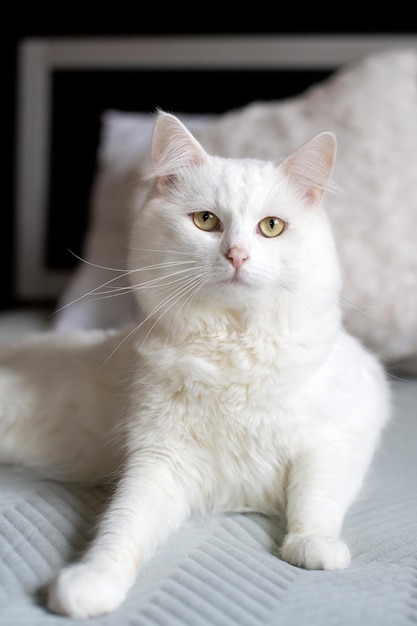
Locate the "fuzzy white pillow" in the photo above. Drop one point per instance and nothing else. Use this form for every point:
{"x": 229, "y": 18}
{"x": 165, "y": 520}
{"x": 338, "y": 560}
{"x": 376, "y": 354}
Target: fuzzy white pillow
{"x": 371, "y": 106}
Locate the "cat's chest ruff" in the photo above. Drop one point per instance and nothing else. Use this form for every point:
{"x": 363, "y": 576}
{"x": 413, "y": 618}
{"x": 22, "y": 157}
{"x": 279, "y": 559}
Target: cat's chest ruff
{"x": 219, "y": 358}
{"x": 226, "y": 378}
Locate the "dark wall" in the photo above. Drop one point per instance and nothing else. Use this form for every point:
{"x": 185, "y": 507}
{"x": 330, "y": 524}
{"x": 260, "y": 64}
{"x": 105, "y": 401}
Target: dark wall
{"x": 73, "y": 26}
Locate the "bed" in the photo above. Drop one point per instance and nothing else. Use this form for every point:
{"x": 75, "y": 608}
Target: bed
{"x": 220, "y": 569}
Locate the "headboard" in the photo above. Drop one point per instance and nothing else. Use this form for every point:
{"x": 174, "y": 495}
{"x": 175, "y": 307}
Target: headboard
{"x": 65, "y": 85}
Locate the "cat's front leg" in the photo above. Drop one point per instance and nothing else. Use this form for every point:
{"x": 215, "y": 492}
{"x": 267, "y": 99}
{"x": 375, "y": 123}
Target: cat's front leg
{"x": 147, "y": 506}
{"x": 319, "y": 491}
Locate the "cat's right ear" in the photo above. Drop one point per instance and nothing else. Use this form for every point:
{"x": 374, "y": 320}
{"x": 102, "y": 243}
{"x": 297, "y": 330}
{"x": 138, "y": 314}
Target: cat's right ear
{"x": 173, "y": 148}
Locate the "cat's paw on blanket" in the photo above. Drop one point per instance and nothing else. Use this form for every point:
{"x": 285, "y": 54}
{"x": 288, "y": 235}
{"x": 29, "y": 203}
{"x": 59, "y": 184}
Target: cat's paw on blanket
{"x": 315, "y": 552}
{"x": 88, "y": 589}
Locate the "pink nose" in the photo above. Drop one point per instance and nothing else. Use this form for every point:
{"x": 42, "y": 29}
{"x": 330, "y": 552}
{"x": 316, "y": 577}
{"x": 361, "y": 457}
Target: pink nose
{"x": 237, "y": 256}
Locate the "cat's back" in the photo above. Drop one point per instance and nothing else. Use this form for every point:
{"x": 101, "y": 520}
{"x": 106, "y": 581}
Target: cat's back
{"x": 82, "y": 374}
{"x": 61, "y": 399}
{"x": 40, "y": 355}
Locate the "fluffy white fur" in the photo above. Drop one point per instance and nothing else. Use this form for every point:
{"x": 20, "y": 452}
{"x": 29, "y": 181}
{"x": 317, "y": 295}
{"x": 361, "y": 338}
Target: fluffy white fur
{"x": 238, "y": 390}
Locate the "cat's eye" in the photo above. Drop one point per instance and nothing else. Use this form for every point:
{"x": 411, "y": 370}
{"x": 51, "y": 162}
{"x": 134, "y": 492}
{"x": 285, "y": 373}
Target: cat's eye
{"x": 204, "y": 220}
{"x": 271, "y": 226}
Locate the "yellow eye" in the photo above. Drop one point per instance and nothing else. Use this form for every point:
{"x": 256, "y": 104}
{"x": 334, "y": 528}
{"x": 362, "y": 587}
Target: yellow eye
{"x": 271, "y": 226}
{"x": 206, "y": 220}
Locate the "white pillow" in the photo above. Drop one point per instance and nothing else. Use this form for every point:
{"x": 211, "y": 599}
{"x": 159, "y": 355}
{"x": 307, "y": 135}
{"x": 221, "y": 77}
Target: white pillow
{"x": 371, "y": 106}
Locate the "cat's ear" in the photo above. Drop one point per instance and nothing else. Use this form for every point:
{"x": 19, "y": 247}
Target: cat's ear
{"x": 173, "y": 147}
{"x": 311, "y": 166}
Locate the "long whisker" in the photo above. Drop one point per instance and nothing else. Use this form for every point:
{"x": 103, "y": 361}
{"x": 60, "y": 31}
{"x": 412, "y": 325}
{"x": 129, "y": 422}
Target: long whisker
{"x": 122, "y": 274}
{"x": 362, "y": 308}
{"x": 172, "y": 297}
{"x": 117, "y": 291}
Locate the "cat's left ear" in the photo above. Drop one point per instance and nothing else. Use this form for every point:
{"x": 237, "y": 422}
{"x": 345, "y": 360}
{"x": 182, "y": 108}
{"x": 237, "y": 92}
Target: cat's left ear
{"x": 173, "y": 148}
{"x": 311, "y": 166}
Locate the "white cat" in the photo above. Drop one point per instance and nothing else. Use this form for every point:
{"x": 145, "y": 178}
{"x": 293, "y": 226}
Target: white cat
{"x": 239, "y": 389}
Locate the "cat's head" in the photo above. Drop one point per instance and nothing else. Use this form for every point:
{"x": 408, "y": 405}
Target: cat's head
{"x": 232, "y": 234}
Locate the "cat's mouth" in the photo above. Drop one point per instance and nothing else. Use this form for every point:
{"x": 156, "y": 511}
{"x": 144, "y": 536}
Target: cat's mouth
{"x": 238, "y": 278}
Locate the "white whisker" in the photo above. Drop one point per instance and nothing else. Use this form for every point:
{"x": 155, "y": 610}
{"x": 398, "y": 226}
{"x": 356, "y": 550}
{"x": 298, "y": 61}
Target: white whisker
{"x": 173, "y": 299}
{"x": 122, "y": 274}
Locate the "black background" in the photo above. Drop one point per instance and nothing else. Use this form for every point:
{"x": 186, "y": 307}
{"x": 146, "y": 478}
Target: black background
{"x": 127, "y": 22}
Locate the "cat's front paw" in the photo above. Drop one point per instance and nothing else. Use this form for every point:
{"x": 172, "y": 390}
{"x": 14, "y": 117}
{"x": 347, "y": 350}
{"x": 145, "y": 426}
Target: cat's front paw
{"x": 87, "y": 589}
{"x": 315, "y": 552}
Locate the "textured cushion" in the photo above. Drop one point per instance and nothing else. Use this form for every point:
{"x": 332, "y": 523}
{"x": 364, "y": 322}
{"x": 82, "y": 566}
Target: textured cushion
{"x": 371, "y": 106}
